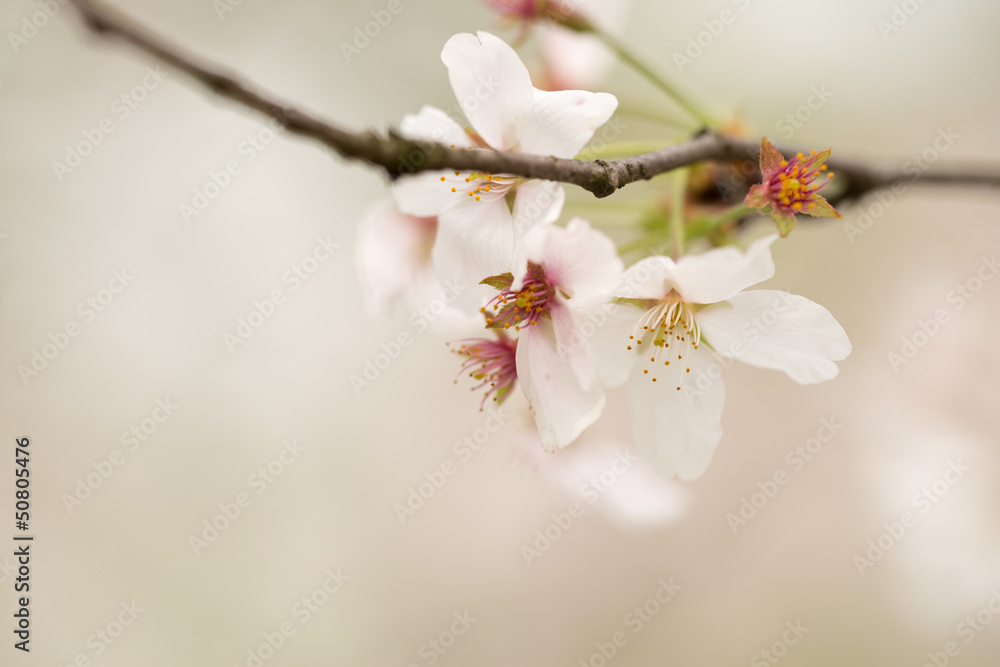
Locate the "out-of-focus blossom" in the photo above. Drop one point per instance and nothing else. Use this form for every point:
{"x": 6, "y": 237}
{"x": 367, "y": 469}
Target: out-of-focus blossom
{"x": 520, "y": 10}
{"x": 788, "y": 187}
{"x": 492, "y": 363}
{"x": 574, "y": 59}
{"x": 394, "y": 259}
{"x": 606, "y": 474}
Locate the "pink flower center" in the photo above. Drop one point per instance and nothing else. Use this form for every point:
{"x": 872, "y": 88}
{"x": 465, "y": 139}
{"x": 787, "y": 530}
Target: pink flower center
{"x": 492, "y": 363}
{"x": 518, "y": 9}
{"x": 793, "y": 187}
{"x": 522, "y": 307}
{"x": 673, "y": 332}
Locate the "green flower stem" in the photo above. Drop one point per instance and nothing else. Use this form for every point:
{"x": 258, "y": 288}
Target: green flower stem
{"x": 624, "y": 212}
{"x": 677, "y": 212}
{"x": 735, "y": 213}
{"x": 653, "y": 78}
{"x": 644, "y": 242}
{"x": 656, "y": 117}
{"x": 628, "y": 148}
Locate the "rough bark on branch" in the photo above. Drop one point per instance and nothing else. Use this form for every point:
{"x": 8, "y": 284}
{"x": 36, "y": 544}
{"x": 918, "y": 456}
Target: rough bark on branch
{"x": 399, "y": 156}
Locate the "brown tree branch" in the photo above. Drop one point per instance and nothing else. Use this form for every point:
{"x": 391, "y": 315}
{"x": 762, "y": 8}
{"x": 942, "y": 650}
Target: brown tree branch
{"x": 399, "y": 156}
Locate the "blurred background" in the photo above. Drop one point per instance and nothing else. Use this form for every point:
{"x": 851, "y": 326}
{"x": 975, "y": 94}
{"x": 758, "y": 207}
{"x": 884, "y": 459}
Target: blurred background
{"x": 202, "y": 502}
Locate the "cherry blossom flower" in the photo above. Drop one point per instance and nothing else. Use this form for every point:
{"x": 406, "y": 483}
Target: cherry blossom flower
{"x": 481, "y": 216}
{"x": 669, "y": 311}
{"x": 575, "y": 59}
{"x": 603, "y": 472}
{"x": 394, "y": 258}
{"x": 520, "y": 10}
{"x": 572, "y": 56}
{"x": 492, "y": 363}
{"x": 789, "y": 187}
{"x": 567, "y": 269}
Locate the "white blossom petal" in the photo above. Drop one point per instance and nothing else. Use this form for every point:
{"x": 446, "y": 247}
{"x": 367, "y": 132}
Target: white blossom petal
{"x": 491, "y": 84}
{"x": 572, "y": 343}
{"x": 580, "y": 60}
{"x": 474, "y": 241}
{"x": 536, "y": 203}
{"x": 561, "y": 407}
{"x": 604, "y": 471}
{"x": 561, "y": 123}
{"x": 609, "y": 341}
{"x": 722, "y": 272}
{"x": 647, "y": 279}
{"x": 424, "y": 194}
{"x": 432, "y": 124}
{"x": 677, "y": 431}
{"x": 572, "y": 59}
{"x": 393, "y": 254}
{"x": 777, "y": 330}
{"x": 582, "y": 261}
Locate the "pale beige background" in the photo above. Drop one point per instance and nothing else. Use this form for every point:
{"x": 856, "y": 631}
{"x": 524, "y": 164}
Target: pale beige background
{"x": 333, "y": 507}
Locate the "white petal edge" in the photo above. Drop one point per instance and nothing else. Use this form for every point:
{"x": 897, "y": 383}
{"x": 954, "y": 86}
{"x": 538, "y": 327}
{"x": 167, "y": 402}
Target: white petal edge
{"x": 424, "y": 194}
{"x": 536, "y": 203}
{"x": 582, "y": 261}
{"x": 561, "y": 407}
{"x": 474, "y": 241}
{"x": 678, "y": 431}
{"x": 432, "y": 124}
{"x": 491, "y": 84}
{"x": 392, "y": 257}
{"x": 777, "y": 330}
{"x": 560, "y": 123}
{"x": 608, "y": 328}
{"x": 572, "y": 59}
{"x": 720, "y": 273}
{"x": 573, "y": 343}
{"x": 646, "y": 279}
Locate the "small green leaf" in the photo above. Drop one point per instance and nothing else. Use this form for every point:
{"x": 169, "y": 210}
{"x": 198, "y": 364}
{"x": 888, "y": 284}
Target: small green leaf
{"x": 786, "y": 223}
{"x": 645, "y": 304}
{"x": 500, "y": 282}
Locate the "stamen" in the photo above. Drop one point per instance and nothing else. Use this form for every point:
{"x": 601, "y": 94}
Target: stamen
{"x": 491, "y": 362}
{"x": 480, "y": 186}
{"x": 523, "y": 307}
{"x": 793, "y": 188}
{"x": 664, "y": 321}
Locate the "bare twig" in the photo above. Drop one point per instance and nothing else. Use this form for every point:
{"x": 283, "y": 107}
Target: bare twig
{"x": 399, "y": 156}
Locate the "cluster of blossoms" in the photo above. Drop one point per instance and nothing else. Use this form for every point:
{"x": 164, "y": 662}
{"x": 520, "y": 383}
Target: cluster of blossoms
{"x": 531, "y": 283}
